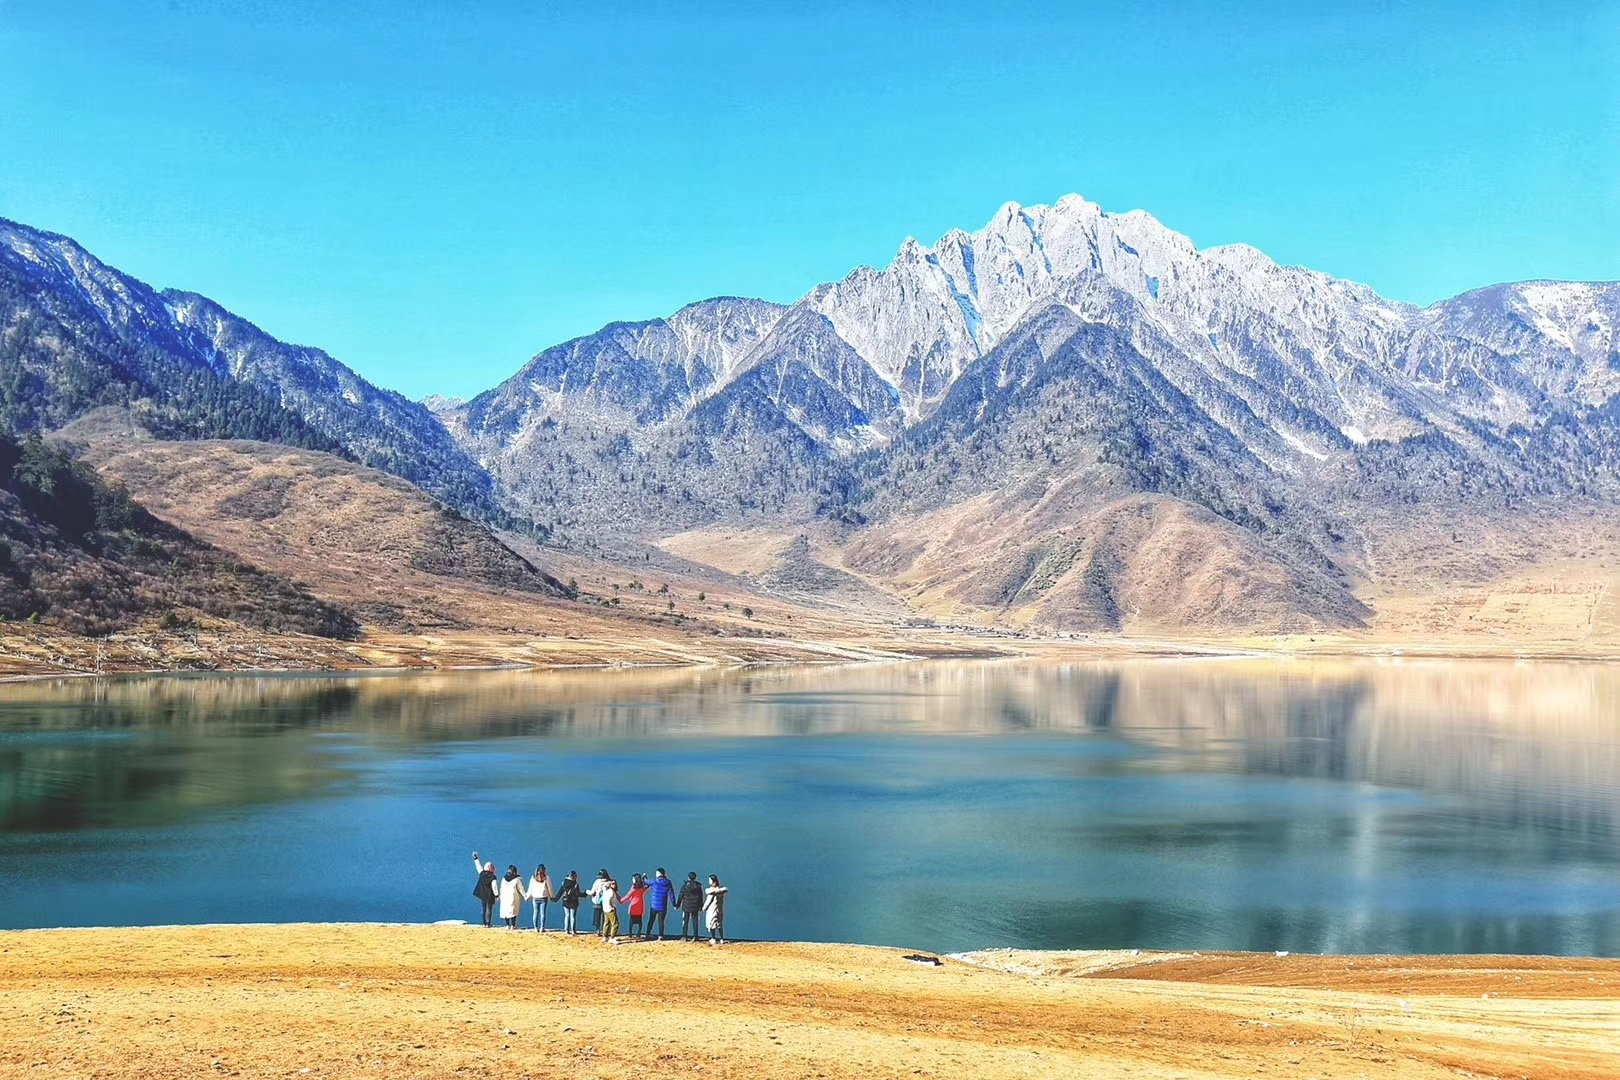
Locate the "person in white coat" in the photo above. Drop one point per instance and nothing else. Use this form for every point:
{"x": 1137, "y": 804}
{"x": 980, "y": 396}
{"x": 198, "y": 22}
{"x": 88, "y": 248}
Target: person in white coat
{"x": 714, "y": 910}
{"x": 595, "y": 893}
{"x": 541, "y": 894}
{"x": 512, "y": 897}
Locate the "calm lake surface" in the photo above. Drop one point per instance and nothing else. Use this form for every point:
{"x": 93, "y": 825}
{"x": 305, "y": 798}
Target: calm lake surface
{"x": 1311, "y": 806}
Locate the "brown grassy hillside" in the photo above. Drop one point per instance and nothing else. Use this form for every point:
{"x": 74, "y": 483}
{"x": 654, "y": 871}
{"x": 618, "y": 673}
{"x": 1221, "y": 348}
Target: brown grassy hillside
{"x": 355, "y": 534}
{"x": 995, "y": 573}
{"x": 433, "y": 589}
{"x": 81, "y": 554}
{"x": 1546, "y": 575}
{"x": 1138, "y": 565}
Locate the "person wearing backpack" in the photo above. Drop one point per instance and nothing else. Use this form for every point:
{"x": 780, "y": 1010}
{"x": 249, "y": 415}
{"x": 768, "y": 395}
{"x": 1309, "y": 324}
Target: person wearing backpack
{"x": 660, "y": 898}
{"x": 569, "y": 896}
{"x": 690, "y": 901}
{"x": 485, "y": 889}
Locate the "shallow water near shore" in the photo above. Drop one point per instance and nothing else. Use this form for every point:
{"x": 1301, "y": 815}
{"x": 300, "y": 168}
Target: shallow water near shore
{"x": 1343, "y": 806}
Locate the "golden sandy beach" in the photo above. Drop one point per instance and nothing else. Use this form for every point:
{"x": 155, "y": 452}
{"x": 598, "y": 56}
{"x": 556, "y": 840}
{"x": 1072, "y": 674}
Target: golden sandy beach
{"x": 368, "y": 1000}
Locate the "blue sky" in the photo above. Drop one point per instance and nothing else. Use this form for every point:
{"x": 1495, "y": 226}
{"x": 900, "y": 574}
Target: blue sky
{"x": 433, "y": 193}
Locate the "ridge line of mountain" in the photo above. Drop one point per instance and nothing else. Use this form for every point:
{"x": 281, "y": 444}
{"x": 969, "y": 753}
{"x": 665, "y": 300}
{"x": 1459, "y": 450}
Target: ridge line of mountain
{"x": 1063, "y": 368}
{"x": 82, "y": 334}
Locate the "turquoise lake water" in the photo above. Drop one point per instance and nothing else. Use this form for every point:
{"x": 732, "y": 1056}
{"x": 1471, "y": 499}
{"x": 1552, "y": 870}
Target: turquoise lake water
{"x": 1309, "y": 806}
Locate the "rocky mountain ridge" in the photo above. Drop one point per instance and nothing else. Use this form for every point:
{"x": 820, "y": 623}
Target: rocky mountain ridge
{"x": 1303, "y": 371}
{"x": 77, "y": 334}
{"x": 1062, "y": 403}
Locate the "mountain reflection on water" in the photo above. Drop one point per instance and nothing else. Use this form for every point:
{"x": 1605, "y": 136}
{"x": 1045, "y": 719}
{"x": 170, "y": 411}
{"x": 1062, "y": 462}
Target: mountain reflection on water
{"x": 1343, "y": 805}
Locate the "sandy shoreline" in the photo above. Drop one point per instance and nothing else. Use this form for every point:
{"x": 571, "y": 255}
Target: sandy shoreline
{"x": 367, "y": 1000}
{"x": 50, "y": 655}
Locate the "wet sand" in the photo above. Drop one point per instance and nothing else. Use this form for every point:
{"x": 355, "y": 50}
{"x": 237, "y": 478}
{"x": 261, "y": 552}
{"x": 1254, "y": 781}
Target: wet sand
{"x": 329, "y": 1000}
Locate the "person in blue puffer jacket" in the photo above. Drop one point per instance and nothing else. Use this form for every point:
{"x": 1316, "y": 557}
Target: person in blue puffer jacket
{"x": 660, "y": 898}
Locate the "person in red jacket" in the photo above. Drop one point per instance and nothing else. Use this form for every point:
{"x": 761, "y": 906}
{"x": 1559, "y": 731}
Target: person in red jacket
{"x": 636, "y": 904}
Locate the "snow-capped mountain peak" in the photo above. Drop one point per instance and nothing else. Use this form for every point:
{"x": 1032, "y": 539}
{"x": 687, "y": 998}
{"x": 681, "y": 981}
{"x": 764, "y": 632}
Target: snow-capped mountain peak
{"x": 60, "y": 262}
{"x": 934, "y": 310}
{"x": 1305, "y": 363}
{"x": 1293, "y": 365}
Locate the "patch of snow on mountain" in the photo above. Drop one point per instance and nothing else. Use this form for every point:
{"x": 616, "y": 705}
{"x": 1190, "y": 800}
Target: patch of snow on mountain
{"x": 1302, "y": 446}
{"x": 1287, "y": 359}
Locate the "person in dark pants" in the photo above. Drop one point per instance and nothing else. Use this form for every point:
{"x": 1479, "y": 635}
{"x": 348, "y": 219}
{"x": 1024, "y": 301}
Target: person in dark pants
{"x": 635, "y": 905}
{"x": 569, "y": 896}
{"x": 690, "y": 901}
{"x": 660, "y": 898}
{"x": 485, "y": 889}
{"x": 595, "y": 893}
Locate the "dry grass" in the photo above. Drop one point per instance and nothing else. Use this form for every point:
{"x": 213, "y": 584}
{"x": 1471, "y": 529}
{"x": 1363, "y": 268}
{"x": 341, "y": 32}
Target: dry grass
{"x": 1548, "y": 574}
{"x": 1543, "y": 580}
{"x": 445, "y": 1001}
{"x": 1544, "y": 583}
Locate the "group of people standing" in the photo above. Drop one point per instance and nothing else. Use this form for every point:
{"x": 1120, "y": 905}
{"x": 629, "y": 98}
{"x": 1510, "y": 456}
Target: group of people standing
{"x": 648, "y": 902}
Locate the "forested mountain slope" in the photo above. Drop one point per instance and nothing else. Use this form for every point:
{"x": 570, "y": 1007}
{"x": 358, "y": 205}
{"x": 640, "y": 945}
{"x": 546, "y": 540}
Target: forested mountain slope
{"x": 82, "y": 554}
{"x": 76, "y": 334}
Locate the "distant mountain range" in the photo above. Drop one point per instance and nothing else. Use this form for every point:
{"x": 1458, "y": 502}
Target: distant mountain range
{"x": 1165, "y": 354}
{"x": 1059, "y": 357}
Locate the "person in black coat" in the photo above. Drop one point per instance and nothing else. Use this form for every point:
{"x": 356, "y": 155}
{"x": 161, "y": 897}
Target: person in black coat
{"x": 690, "y": 902}
{"x": 485, "y": 889}
{"x": 569, "y": 895}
